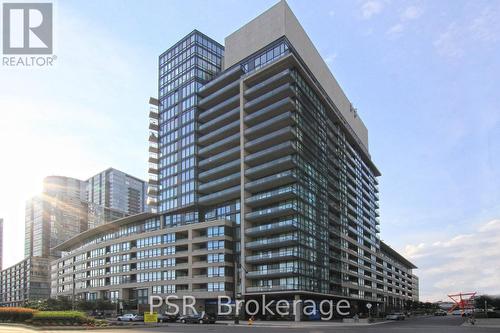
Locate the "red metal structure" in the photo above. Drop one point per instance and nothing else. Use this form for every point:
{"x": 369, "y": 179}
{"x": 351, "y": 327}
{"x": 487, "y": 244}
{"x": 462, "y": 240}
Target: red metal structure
{"x": 463, "y": 301}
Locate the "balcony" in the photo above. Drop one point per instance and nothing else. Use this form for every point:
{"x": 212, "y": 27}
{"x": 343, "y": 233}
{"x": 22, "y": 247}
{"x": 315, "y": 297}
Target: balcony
{"x": 276, "y": 180}
{"x": 270, "y": 125}
{"x": 267, "y": 243}
{"x": 218, "y": 96}
{"x": 153, "y": 137}
{"x": 270, "y": 197}
{"x": 219, "y": 109}
{"x": 221, "y": 196}
{"x": 271, "y": 273}
{"x": 272, "y": 257}
{"x": 266, "y": 155}
{"x": 153, "y": 158}
{"x": 270, "y": 111}
{"x": 219, "y": 81}
{"x": 270, "y": 288}
{"x": 153, "y": 148}
{"x": 152, "y": 190}
{"x": 269, "y": 98}
{"x": 219, "y": 171}
{"x": 221, "y": 120}
{"x": 220, "y": 146}
{"x": 221, "y": 158}
{"x": 270, "y": 140}
{"x": 153, "y": 168}
{"x": 221, "y": 183}
{"x": 220, "y": 133}
{"x": 153, "y": 124}
{"x": 269, "y": 168}
{"x": 271, "y": 213}
{"x": 153, "y": 113}
{"x": 269, "y": 84}
{"x": 272, "y": 228}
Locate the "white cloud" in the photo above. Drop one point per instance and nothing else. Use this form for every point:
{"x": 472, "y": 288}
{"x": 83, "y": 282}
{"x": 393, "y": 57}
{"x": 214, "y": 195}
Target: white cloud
{"x": 449, "y": 44}
{"x": 395, "y": 29}
{"x": 371, "y": 8}
{"x": 463, "y": 36}
{"x": 411, "y": 13}
{"x": 464, "y": 262}
{"x": 486, "y": 26}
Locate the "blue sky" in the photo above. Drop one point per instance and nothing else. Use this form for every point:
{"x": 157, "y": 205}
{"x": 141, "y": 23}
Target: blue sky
{"x": 423, "y": 75}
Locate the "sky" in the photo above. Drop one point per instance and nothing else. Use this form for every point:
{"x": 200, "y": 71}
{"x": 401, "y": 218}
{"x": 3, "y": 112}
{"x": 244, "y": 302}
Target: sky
{"x": 422, "y": 74}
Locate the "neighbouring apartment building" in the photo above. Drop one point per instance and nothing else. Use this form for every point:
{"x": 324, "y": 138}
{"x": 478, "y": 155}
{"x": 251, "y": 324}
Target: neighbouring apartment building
{"x": 261, "y": 182}
{"x": 54, "y": 216}
{"x": 26, "y": 280}
{"x": 65, "y": 208}
{"x": 112, "y": 194}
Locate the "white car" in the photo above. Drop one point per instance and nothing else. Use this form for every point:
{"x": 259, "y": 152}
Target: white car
{"x": 128, "y": 317}
{"x": 395, "y": 316}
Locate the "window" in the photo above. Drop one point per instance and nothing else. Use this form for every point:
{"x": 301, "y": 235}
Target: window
{"x": 215, "y": 271}
{"x": 215, "y": 231}
{"x": 215, "y": 257}
{"x": 215, "y": 245}
{"x": 215, "y": 286}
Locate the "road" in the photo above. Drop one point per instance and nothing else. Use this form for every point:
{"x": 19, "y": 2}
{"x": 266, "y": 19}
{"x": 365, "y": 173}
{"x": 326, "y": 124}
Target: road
{"x": 411, "y": 325}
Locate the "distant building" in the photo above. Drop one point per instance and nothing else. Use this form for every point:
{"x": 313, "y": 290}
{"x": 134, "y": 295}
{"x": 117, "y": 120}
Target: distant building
{"x": 54, "y": 216}
{"x": 113, "y": 194}
{"x": 24, "y": 281}
{"x": 68, "y": 206}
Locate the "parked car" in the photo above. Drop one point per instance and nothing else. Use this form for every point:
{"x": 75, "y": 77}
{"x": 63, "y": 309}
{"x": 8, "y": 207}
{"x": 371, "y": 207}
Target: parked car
{"x": 130, "y": 317}
{"x": 197, "y": 319}
{"x": 166, "y": 318}
{"x": 395, "y": 316}
{"x": 440, "y": 313}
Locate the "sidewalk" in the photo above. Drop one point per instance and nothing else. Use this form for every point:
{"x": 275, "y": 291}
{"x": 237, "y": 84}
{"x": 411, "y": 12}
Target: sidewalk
{"x": 492, "y": 322}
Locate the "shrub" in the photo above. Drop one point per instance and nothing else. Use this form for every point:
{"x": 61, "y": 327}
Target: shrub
{"x": 16, "y": 314}
{"x": 60, "y": 318}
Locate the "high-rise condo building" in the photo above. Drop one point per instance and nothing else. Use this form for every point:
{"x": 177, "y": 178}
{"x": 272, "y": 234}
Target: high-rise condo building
{"x": 54, "y": 216}
{"x": 113, "y": 194}
{"x": 262, "y": 179}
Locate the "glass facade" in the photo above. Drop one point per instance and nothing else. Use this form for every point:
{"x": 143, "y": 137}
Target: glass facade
{"x": 183, "y": 69}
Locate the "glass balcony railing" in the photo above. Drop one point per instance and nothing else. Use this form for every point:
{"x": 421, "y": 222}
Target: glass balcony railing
{"x": 221, "y": 120}
{"x": 269, "y": 111}
{"x": 220, "y": 158}
{"x": 279, "y": 192}
{"x": 280, "y": 240}
{"x": 219, "y": 109}
{"x": 273, "y": 255}
{"x": 278, "y": 226}
{"x": 271, "y": 272}
{"x": 218, "y": 146}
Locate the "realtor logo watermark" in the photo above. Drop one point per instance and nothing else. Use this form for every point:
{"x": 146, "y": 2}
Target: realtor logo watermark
{"x": 27, "y": 32}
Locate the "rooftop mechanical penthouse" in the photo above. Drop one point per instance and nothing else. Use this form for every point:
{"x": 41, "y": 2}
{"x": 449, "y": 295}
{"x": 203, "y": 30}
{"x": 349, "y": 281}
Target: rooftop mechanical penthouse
{"x": 262, "y": 183}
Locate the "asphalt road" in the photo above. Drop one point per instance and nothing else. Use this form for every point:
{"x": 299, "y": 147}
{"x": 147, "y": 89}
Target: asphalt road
{"x": 423, "y": 324}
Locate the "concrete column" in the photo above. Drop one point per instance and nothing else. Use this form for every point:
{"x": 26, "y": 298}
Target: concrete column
{"x": 243, "y": 193}
{"x": 298, "y": 308}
